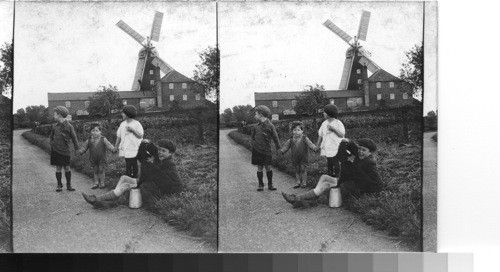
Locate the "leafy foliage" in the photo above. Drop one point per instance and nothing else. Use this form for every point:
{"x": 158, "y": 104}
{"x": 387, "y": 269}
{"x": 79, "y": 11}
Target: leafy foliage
{"x": 6, "y": 64}
{"x": 227, "y": 115}
{"x": 105, "y": 101}
{"x": 310, "y": 100}
{"x": 207, "y": 73}
{"x": 31, "y": 116}
{"x": 430, "y": 121}
{"x": 412, "y": 72}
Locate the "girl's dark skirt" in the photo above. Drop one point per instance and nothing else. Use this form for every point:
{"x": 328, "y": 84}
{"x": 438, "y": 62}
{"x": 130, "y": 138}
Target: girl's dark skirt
{"x": 260, "y": 159}
{"x": 58, "y": 159}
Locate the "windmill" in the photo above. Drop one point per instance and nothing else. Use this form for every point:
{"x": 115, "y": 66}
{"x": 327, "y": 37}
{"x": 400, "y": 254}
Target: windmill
{"x": 357, "y": 58}
{"x": 149, "y": 65}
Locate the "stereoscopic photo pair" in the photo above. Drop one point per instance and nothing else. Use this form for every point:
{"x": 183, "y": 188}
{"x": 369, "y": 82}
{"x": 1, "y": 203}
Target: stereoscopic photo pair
{"x": 218, "y": 127}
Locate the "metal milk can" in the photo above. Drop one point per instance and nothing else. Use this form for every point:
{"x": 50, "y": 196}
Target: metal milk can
{"x": 135, "y": 198}
{"x": 335, "y": 199}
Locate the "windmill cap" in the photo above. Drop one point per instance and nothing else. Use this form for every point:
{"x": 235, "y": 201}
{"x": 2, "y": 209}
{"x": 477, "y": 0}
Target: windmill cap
{"x": 61, "y": 110}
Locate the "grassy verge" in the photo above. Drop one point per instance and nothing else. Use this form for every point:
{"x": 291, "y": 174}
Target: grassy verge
{"x": 194, "y": 210}
{"x": 396, "y": 209}
{"x": 5, "y": 181}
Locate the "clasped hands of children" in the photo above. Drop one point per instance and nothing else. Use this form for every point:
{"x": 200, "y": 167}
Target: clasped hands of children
{"x": 332, "y": 129}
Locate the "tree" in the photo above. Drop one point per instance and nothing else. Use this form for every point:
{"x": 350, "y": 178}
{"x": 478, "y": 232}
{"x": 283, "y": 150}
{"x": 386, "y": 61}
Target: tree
{"x": 227, "y": 115}
{"x": 207, "y": 73}
{"x": 105, "y": 101}
{"x": 241, "y": 113}
{"x": 36, "y": 115}
{"x": 412, "y": 72}
{"x": 6, "y": 73}
{"x": 430, "y": 121}
{"x": 310, "y": 101}
{"x": 20, "y": 118}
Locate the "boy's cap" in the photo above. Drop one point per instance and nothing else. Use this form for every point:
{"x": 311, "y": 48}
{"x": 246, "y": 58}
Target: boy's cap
{"x": 63, "y": 111}
{"x": 130, "y": 111}
{"x": 331, "y": 110}
{"x": 167, "y": 144}
{"x": 265, "y": 111}
{"x": 368, "y": 143}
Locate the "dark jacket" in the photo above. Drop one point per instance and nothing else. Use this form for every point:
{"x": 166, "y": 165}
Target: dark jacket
{"x": 262, "y": 135}
{"x": 60, "y": 135}
{"x": 160, "y": 176}
{"x": 363, "y": 173}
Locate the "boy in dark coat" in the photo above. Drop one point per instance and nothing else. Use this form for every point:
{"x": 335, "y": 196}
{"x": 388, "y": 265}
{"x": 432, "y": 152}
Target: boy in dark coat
{"x": 262, "y": 134}
{"x": 60, "y": 135}
{"x": 359, "y": 174}
{"x": 158, "y": 174}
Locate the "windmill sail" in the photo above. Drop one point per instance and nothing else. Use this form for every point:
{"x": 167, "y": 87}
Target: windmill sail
{"x": 372, "y": 66}
{"x": 164, "y": 67}
{"x": 346, "y": 72}
{"x": 335, "y": 29}
{"x": 363, "y": 25}
{"x": 155, "y": 29}
{"x": 139, "y": 71}
{"x": 132, "y": 33}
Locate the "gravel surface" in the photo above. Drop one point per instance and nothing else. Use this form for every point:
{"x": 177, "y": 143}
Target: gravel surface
{"x": 47, "y": 221}
{"x": 251, "y": 221}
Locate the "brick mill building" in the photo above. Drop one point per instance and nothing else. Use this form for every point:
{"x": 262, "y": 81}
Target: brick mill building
{"x": 175, "y": 89}
{"x": 379, "y": 90}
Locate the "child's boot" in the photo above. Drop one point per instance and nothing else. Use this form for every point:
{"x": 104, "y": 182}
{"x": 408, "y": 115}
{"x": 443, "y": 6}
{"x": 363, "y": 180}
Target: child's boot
{"x": 68, "y": 181}
{"x": 59, "y": 182}
{"x": 260, "y": 177}
{"x": 307, "y": 199}
{"x": 269, "y": 175}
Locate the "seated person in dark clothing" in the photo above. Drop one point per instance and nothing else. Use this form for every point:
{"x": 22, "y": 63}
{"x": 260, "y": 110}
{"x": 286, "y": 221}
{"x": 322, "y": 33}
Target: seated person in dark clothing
{"x": 158, "y": 175}
{"x": 358, "y": 174}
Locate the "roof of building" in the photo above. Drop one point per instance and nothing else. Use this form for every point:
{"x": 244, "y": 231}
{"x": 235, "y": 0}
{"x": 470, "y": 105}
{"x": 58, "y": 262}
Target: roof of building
{"x": 85, "y": 95}
{"x": 175, "y": 77}
{"x": 382, "y": 75}
{"x": 293, "y": 95}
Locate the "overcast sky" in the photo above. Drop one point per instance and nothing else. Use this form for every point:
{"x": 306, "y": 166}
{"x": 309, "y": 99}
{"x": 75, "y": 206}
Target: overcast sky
{"x": 7, "y": 15}
{"x": 76, "y": 47}
{"x": 273, "y": 47}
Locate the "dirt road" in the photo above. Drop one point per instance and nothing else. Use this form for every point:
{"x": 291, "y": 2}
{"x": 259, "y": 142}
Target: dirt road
{"x": 251, "y": 221}
{"x": 429, "y": 193}
{"x": 47, "y": 221}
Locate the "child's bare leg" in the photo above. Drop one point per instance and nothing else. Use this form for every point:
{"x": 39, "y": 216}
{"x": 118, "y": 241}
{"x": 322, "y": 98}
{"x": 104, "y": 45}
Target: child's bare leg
{"x": 304, "y": 174}
{"x": 102, "y": 176}
{"x": 96, "y": 176}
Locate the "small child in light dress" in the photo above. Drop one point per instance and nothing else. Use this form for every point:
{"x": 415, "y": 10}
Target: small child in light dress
{"x": 300, "y": 145}
{"x": 97, "y": 145}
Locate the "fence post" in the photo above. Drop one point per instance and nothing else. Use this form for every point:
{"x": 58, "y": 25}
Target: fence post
{"x": 405, "y": 125}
